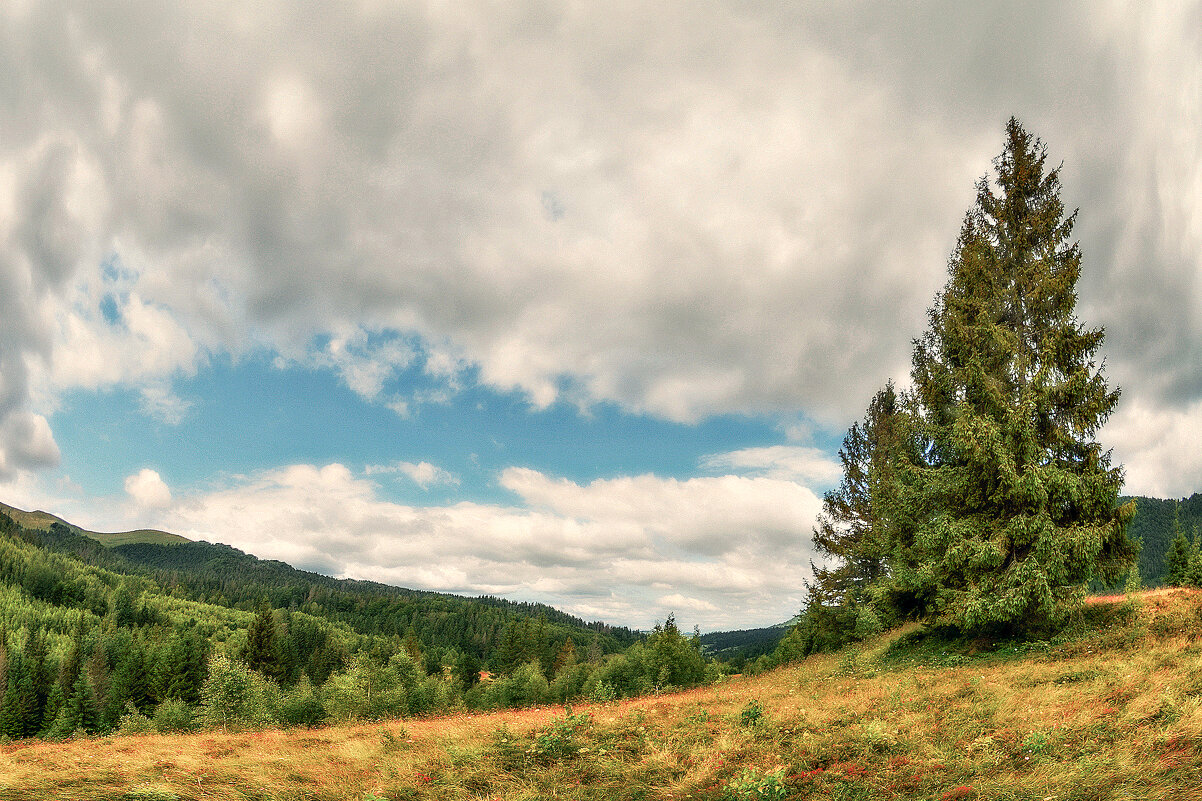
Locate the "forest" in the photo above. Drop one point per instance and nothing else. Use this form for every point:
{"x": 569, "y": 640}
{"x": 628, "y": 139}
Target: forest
{"x": 171, "y": 637}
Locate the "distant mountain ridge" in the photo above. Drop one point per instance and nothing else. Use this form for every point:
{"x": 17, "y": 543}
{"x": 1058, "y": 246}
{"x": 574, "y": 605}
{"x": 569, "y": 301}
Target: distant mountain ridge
{"x": 42, "y": 521}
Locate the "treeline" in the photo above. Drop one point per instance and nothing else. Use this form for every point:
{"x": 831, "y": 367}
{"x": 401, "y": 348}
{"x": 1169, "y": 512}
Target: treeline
{"x": 94, "y": 640}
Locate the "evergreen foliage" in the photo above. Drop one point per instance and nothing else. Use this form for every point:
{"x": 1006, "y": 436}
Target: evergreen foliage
{"x": 1178, "y": 565}
{"x": 980, "y": 499}
{"x": 93, "y": 642}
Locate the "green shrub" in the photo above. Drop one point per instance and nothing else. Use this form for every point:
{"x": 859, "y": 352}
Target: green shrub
{"x": 134, "y": 722}
{"x": 173, "y": 715}
{"x": 752, "y": 714}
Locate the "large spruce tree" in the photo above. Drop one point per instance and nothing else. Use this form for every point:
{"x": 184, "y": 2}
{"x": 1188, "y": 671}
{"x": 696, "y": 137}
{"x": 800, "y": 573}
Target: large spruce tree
{"x": 1009, "y": 507}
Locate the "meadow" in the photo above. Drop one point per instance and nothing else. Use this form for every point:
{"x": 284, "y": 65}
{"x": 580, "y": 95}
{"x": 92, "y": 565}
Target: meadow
{"x": 1111, "y": 708}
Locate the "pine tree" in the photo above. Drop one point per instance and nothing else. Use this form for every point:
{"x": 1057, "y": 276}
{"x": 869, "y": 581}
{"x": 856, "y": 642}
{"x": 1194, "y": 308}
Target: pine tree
{"x": 1192, "y": 576}
{"x": 261, "y": 653}
{"x": 79, "y": 712}
{"x": 849, "y": 530}
{"x": 37, "y": 656}
{"x": 1177, "y": 560}
{"x": 1010, "y": 505}
{"x": 566, "y": 658}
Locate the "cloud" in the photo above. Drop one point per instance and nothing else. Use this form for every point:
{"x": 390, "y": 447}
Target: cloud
{"x": 685, "y": 211}
{"x": 803, "y": 464}
{"x": 365, "y": 365}
{"x": 148, "y": 490}
{"x": 1161, "y": 449}
{"x": 423, "y": 474}
{"x": 27, "y": 444}
{"x": 160, "y": 403}
{"x": 733, "y": 551}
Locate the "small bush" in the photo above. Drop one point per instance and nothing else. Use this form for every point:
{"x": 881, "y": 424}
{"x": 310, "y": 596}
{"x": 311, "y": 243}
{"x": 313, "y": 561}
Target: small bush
{"x": 560, "y": 740}
{"x": 752, "y": 714}
{"x": 173, "y": 715}
{"x": 134, "y": 722}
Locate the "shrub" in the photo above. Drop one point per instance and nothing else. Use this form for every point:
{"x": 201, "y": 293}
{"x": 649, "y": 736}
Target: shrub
{"x": 173, "y": 715}
{"x": 235, "y": 697}
{"x": 752, "y": 714}
{"x": 134, "y": 722}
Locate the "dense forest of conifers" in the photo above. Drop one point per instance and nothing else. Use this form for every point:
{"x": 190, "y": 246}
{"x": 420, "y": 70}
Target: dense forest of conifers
{"x": 1152, "y": 526}
{"x": 170, "y": 637}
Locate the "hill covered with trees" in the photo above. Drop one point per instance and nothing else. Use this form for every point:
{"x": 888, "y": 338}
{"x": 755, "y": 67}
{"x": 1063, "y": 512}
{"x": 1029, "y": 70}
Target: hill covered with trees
{"x": 174, "y": 635}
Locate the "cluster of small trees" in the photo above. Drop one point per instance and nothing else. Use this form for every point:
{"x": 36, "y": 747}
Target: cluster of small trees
{"x": 978, "y": 498}
{"x": 114, "y": 678}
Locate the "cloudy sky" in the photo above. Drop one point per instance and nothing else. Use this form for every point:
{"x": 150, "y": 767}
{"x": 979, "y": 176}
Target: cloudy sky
{"x": 568, "y": 302}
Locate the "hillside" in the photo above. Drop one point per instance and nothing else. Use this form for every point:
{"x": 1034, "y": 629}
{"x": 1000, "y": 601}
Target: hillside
{"x": 1112, "y": 709}
{"x": 43, "y": 521}
{"x": 91, "y": 635}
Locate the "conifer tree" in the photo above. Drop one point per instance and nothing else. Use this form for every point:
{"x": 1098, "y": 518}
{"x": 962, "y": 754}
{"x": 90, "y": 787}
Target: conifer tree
{"x": 79, "y": 713}
{"x": 1010, "y": 506}
{"x": 1177, "y": 560}
{"x": 850, "y": 531}
{"x": 1192, "y": 577}
{"x": 566, "y": 658}
{"x": 261, "y": 653}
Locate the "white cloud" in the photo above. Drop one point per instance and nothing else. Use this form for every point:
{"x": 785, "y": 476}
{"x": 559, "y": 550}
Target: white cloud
{"x": 365, "y": 365}
{"x": 148, "y": 489}
{"x": 803, "y": 464}
{"x": 423, "y": 474}
{"x": 26, "y": 443}
{"x": 160, "y": 403}
{"x": 1161, "y": 449}
{"x": 733, "y": 551}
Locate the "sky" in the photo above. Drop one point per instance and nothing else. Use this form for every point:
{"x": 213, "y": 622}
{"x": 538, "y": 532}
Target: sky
{"x": 563, "y": 302}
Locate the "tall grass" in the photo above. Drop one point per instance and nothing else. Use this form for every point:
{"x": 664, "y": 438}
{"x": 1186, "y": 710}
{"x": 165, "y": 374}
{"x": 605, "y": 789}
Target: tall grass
{"x": 1111, "y": 709}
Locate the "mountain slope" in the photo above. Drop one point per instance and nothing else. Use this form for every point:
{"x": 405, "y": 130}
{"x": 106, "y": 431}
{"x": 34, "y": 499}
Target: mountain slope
{"x": 42, "y": 521}
{"x": 1153, "y": 526}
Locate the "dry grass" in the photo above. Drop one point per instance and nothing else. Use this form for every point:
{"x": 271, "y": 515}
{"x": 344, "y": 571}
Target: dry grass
{"x": 1114, "y": 711}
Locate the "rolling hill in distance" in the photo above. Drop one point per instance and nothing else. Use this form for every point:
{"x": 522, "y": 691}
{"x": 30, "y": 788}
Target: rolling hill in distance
{"x": 42, "y": 521}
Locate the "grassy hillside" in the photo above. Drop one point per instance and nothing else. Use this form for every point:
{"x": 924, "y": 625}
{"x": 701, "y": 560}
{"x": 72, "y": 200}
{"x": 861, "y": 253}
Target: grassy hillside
{"x": 1110, "y": 710}
{"x": 42, "y": 521}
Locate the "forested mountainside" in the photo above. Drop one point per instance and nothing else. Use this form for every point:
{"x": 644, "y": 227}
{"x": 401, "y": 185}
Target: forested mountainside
{"x": 98, "y": 638}
{"x": 1153, "y": 526}
{"x": 738, "y": 647}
